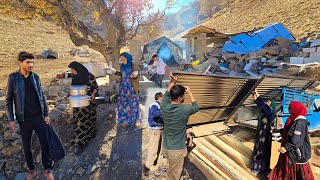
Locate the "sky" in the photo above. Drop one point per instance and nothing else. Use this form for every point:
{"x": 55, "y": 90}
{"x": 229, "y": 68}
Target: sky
{"x": 160, "y": 4}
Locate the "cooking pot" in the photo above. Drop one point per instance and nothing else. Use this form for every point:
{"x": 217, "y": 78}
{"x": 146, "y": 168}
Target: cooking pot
{"x": 76, "y": 90}
{"x": 110, "y": 71}
{"x": 135, "y": 73}
{"x": 79, "y": 101}
{"x": 99, "y": 100}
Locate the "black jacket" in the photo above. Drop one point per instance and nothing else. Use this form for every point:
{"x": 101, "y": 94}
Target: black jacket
{"x": 56, "y": 151}
{"x": 15, "y": 94}
{"x": 298, "y": 145}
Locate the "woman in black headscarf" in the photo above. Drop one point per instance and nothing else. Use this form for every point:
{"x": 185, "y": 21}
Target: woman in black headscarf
{"x": 84, "y": 117}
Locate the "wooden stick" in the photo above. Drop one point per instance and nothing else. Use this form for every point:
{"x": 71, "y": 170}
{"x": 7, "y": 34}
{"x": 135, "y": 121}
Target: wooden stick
{"x": 205, "y": 166}
{"x": 229, "y": 151}
{"x": 316, "y": 171}
{"x": 224, "y": 161}
{"x": 237, "y": 145}
{"x": 315, "y": 145}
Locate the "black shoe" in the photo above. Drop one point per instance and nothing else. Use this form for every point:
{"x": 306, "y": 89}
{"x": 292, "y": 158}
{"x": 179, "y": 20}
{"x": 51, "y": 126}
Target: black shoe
{"x": 155, "y": 162}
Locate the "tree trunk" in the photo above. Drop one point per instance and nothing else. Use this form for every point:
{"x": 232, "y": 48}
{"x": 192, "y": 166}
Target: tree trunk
{"x": 113, "y": 57}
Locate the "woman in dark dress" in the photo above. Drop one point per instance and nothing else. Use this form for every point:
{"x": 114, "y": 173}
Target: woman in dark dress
{"x": 84, "y": 117}
{"x": 262, "y": 149}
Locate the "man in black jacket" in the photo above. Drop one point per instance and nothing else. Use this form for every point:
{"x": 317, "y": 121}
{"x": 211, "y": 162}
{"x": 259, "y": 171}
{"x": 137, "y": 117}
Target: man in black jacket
{"x": 24, "y": 90}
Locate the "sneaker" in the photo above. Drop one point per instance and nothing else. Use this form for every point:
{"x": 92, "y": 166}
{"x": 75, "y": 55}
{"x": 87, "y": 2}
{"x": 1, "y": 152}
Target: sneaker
{"x": 31, "y": 175}
{"x": 48, "y": 174}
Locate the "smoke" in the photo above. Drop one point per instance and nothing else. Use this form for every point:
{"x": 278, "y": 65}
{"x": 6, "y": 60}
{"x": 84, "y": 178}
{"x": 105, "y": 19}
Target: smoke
{"x": 185, "y": 18}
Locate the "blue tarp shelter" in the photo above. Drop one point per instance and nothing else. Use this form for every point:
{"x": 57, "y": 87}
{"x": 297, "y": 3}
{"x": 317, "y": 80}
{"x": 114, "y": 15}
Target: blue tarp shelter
{"x": 249, "y": 42}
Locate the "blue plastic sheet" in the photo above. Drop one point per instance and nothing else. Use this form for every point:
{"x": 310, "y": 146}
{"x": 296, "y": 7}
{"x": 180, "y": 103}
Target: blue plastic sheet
{"x": 254, "y": 41}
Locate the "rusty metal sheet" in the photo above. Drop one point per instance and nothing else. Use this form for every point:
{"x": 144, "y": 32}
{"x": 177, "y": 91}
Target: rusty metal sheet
{"x": 217, "y": 96}
{"x": 270, "y": 87}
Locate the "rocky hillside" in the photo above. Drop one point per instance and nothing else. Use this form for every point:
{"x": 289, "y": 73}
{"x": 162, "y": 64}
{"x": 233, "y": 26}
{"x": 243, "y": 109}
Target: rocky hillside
{"x": 299, "y": 16}
{"x": 34, "y": 35}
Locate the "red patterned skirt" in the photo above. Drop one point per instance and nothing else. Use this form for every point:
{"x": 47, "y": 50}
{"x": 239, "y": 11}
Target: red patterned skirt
{"x": 285, "y": 171}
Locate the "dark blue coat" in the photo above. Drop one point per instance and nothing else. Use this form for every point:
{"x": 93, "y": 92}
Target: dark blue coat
{"x": 56, "y": 151}
{"x": 155, "y": 117}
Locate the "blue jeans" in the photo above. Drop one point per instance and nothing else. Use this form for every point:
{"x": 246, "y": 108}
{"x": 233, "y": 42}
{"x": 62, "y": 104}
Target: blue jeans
{"x": 157, "y": 78}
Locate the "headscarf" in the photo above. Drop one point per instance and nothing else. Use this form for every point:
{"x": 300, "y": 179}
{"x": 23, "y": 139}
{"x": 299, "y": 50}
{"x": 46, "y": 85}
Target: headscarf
{"x": 297, "y": 109}
{"x": 83, "y": 75}
{"x": 129, "y": 61}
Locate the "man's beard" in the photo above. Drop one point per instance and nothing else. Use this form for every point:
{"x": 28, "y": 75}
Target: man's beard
{"x": 28, "y": 69}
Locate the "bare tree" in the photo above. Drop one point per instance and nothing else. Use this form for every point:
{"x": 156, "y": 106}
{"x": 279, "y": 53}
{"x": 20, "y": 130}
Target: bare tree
{"x": 103, "y": 25}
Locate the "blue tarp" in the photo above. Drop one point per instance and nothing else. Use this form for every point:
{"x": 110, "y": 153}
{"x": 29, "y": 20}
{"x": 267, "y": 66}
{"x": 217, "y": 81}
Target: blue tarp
{"x": 254, "y": 41}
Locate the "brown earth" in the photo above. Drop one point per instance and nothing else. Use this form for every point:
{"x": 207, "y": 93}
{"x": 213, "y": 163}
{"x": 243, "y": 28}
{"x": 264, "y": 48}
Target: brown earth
{"x": 299, "y": 16}
{"x": 33, "y": 36}
{"x": 311, "y": 71}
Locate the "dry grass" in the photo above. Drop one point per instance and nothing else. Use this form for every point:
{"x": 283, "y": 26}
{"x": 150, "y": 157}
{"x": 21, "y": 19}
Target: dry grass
{"x": 299, "y": 16}
{"x": 33, "y": 36}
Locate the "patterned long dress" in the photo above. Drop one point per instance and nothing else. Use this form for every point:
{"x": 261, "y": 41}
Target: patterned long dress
{"x": 85, "y": 120}
{"x": 260, "y": 160}
{"x": 128, "y": 111}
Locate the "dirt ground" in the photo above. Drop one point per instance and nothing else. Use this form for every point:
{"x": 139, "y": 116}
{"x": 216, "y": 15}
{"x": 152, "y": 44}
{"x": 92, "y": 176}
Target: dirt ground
{"x": 116, "y": 152}
{"x": 120, "y": 152}
{"x": 33, "y": 36}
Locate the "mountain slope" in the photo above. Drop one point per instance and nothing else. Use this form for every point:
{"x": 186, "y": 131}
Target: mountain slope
{"x": 299, "y": 16}
{"x": 33, "y": 35}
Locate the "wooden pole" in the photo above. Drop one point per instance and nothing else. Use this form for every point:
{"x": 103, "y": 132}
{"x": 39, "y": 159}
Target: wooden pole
{"x": 316, "y": 171}
{"x": 236, "y": 144}
{"x": 229, "y": 151}
{"x": 206, "y": 167}
{"x": 218, "y": 157}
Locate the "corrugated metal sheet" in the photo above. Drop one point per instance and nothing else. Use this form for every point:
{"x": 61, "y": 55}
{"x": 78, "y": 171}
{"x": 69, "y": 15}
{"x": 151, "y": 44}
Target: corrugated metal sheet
{"x": 270, "y": 87}
{"x": 207, "y": 30}
{"x": 219, "y": 97}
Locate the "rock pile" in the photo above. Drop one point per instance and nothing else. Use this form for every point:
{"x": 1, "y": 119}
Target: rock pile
{"x": 272, "y": 58}
{"x": 11, "y": 157}
{"x": 308, "y": 53}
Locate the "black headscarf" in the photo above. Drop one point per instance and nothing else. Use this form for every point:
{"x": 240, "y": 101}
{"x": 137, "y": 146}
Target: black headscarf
{"x": 83, "y": 75}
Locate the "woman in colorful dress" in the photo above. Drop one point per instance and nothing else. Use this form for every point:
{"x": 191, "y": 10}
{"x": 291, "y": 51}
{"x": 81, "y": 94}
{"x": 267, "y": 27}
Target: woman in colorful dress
{"x": 84, "y": 117}
{"x": 260, "y": 160}
{"x": 294, "y": 137}
{"x": 128, "y": 111}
